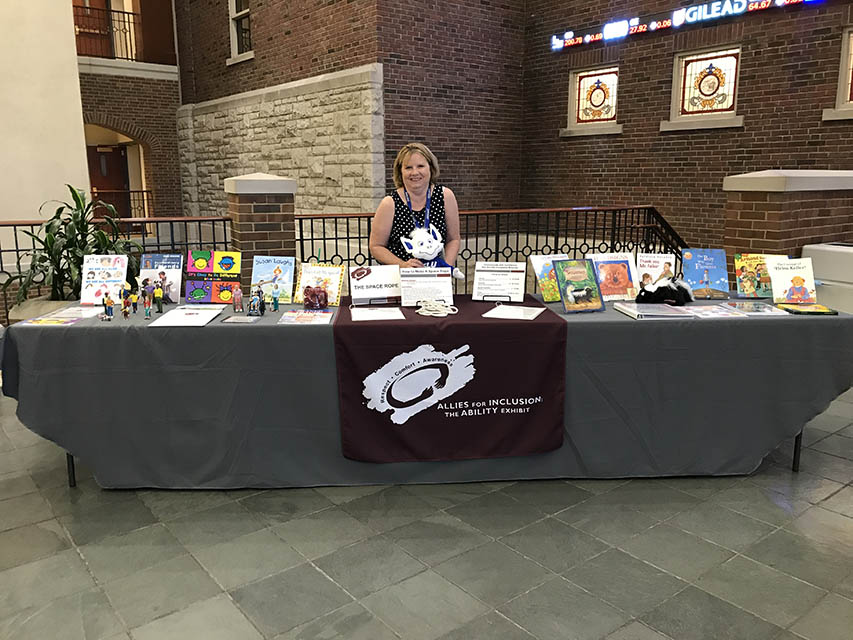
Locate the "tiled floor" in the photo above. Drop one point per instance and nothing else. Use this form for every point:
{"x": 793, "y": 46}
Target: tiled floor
{"x": 768, "y": 556}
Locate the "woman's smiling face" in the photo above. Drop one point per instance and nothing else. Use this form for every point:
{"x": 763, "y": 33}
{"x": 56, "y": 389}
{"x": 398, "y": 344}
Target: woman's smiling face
{"x": 416, "y": 172}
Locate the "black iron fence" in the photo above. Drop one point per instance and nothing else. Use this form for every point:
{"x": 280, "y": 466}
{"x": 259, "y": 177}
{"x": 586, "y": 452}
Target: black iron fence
{"x": 510, "y": 235}
{"x": 103, "y": 33}
{"x": 127, "y": 203}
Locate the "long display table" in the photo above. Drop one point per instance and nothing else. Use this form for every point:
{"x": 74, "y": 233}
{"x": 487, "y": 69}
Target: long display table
{"x": 228, "y": 406}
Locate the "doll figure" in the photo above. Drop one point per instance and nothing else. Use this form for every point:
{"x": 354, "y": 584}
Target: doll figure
{"x": 167, "y": 288}
{"x": 134, "y": 300}
{"x": 276, "y": 292}
{"x": 262, "y": 304}
{"x": 108, "y": 306}
{"x": 146, "y": 304}
{"x": 237, "y": 300}
{"x": 255, "y": 304}
{"x": 125, "y": 308}
{"x": 158, "y": 296}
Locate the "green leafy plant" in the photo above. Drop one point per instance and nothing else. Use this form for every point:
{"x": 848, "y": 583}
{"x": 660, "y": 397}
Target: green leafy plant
{"x": 72, "y": 232}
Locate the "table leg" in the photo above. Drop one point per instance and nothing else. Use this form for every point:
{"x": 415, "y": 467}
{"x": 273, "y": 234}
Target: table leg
{"x": 72, "y": 476}
{"x": 798, "y": 445}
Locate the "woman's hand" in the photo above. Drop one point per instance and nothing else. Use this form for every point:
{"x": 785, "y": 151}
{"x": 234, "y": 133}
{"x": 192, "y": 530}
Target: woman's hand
{"x": 412, "y": 263}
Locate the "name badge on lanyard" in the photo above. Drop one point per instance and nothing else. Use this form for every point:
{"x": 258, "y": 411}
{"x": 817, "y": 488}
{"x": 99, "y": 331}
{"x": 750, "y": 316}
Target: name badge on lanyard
{"x": 426, "y": 209}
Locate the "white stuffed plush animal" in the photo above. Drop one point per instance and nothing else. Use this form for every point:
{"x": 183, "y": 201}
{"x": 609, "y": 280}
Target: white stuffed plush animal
{"x": 427, "y": 246}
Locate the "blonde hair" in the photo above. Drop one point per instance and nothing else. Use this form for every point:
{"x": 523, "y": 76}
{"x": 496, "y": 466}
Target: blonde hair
{"x": 403, "y": 155}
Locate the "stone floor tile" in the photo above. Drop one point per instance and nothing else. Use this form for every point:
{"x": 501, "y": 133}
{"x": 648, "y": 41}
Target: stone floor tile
{"x": 554, "y": 544}
{"x": 369, "y": 565}
{"x": 696, "y": 615}
{"x": 826, "y": 465}
{"x": 350, "y": 622}
{"x": 117, "y": 557}
{"x": 673, "y": 550}
{"x": 637, "y": 631}
{"x": 761, "y": 503}
{"x": 170, "y": 504}
{"x": 247, "y": 558}
{"x": 442, "y": 496}
{"x": 424, "y": 607}
{"x": 813, "y": 434}
{"x": 388, "y": 509}
{"x": 24, "y": 438}
{"x": 87, "y": 495}
{"x": 58, "y": 476}
{"x": 34, "y": 541}
{"x": 703, "y": 488}
{"x": 6, "y": 442}
{"x": 845, "y": 587}
{"x": 288, "y": 599}
{"x": 495, "y": 514}
{"x": 212, "y": 619}
{"x": 831, "y": 619}
{"x": 492, "y": 626}
{"x": 39, "y": 582}
{"x": 841, "y": 409}
{"x": 493, "y": 573}
{"x": 109, "y": 520}
{"x": 847, "y": 431}
{"x": 558, "y": 610}
{"x": 613, "y": 523}
{"x": 712, "y": 521}
{"x": 340, "y": 495}
{"x": 809, "y": 560}
{"x": 215, "y": 525}
{"x": 42, "y": 456}
{"x": 836, "y": 445}
{"x": 651, "y": 497}
{"x": 549, "y": 496}
{"x": 625, "y": 582}
{"x": 160, "y": 590}
{"x": 804, "y": 486}
{"x": 437, "y": 538}
{"x": 847, "y": 396}
{"x": 10, "y": 462}
{"x": 824, "y": 526}
{"x": 12, "y": 485}
{"x": 281, "y": 505}
{"x": 598, "y": 486}
{"x": 756, "y": 588}
{"x": 841, "y": 502}
{"x": 81, "y": 616}
{"x": 829, "y": 422}
{"x": 22, "y": 510}
{"x": 323, "y": 532}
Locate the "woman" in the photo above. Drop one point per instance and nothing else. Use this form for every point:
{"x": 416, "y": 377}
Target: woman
{"x": 417, "y": 200}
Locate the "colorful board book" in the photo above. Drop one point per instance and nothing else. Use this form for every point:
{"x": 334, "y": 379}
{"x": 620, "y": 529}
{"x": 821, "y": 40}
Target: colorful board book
{"x": 652, "y": 267}
{"x": 793, "y": 280}
{"x": 578, "y": 286}
{"x": 751, "y": 275}
{"x": 102, "y": 274}
{"x": 543, "y": 268}
{"x": 706, "y": 272}
{"x": 274, "y": 275}
{"x": 328, "y": 276}
{"x": 212, "y": 276}
{"x": 617, "y": 275}
{"x": 165, "y": 268}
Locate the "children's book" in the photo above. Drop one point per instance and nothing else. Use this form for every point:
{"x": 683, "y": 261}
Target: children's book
{"x": 543, "y": 268}
{"x": 306, "y": 316}
{"x": 212, "y": 276}
{"x": 809, "y": 309}
{"x": 165, "y": 268}
{"x": 711, "y": 312}
{"x": 643, "y": 311}
{"x": 578, "y": 285}
{"x": 753, "y": 279}
{"x": 754, "y": 308}
{"x": 617, "y": 275}
{"x": 792, "y": 280}
{"x": 274, "y": 275}
{"x": 652, "y": 267}
{"x": 706, "y": 272}
{"x": 241, "y": 319}
{"x": 102, "y": 274}
{"x": 328, "y": 276}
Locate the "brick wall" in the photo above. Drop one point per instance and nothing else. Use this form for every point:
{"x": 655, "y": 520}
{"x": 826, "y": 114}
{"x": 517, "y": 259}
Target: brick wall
{"x": 143, "y": 109}
{"x": 789, "y": 72}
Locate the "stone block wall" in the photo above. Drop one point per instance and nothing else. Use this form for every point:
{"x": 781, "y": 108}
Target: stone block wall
{"x": 326, "y": 132}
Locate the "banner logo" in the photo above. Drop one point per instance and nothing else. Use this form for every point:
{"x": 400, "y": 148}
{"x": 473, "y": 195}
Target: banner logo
{"x": 416, "y": 380}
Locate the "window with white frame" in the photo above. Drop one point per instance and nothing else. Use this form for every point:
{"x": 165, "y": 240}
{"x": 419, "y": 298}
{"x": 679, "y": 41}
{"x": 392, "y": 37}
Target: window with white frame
{"x": 844, "y": 100}
{"x": 241, "y": 31}
{"x": 592, "y": 102}
{"x": 704, "y": 90}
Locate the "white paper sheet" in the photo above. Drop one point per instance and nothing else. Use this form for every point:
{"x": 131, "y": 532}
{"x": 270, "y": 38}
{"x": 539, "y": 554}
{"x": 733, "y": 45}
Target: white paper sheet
{"x": 507, "y": 312}
{"x": 186, "y": 317}
{"x": 393, "y": 313}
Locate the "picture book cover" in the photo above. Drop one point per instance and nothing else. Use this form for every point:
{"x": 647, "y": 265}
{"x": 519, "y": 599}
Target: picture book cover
{"x": 578, "y": 286}
{"x": 792, "y": 280}
{"x": 652, "y": 267}
{"x": 543, "y": 269}
{"x": 809, "y": 309}
{"x": 706, "y": 273}
{"x": 617, "y": 275}
{"x": 212, "y": 276}
{"x": 274, "y": 275}
{"x": 753, "y": 308}
{"x": 102, "y": 274}
{"x": 714, "y": 311}
{"x": 328, "y": 276}
{"x": 165, "y": 268}
{"x": 751, "y": 275}
{"x": 306, "y": 316}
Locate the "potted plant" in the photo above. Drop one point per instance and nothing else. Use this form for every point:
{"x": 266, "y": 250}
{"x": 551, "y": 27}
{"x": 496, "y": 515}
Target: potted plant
{"x": 72, "y": 232}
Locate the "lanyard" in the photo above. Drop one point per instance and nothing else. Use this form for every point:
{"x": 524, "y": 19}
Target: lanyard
{"x": 426, "y": 209}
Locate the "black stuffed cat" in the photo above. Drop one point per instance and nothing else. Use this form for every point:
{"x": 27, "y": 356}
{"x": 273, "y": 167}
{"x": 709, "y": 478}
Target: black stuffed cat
{"x": 674, "y": 292}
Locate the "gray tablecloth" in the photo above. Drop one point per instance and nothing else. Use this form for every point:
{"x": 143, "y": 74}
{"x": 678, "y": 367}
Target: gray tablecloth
{"x": 228, "y": 406}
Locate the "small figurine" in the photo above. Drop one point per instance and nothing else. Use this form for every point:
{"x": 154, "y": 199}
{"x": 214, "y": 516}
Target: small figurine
{"x": 276, "y": 292}
{"x": 134, "y": 300}
{"x": 255, "y": 304}
{"x": 125, "y": 308}
{"x": 146, "y": 304}
{"x": 158, "y": 296}
{"x": 167, "y": 288}
{"x": 108, "y": 306}
{"x": 237, "y": 300}
{"x": 315, "y": 298}
{"x": 263, "y": 303}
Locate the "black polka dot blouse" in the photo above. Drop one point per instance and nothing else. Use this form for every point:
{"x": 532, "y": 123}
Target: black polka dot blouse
{"x": 403, "y": 224}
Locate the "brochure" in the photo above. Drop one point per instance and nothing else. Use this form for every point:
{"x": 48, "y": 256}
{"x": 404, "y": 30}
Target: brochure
{"x": 792, "y": 280}
{"x": 165, "y": 268}
{"x": 274, "y": 275}
{"x": 653, "y": 311}
{"x": 306, "y": 316}
{"x": 364, "y": 314}
{"x": 714, "y": 311}
{"x": 751, "y": 275}
{"x": 578, "y": 286}
{"x": 617, "y": 275}
{"x": 328, "y": 276}
{"x": 426, "y": 283}
{"x": 706, "y": 272}
{"x": 543, "y": 269}
{"x": 212, "y": 276}
{"x": 509, "y": 312}
{"x": 652, "y": 267}
{"x": 376, "y": 284}
{"x": 241, "y": 319}
{"x": 186, "y": 316}
{"x": 102, "y": 274}
{"x": 499, "y": 281}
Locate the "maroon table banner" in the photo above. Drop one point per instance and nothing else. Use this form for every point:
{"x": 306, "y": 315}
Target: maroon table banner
{"x": 453, "y": 388}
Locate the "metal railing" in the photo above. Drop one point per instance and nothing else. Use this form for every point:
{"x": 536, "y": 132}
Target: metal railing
{"x": 508, "y": 235}
{"x": 103, "y": 33}
{"x": 128, "y": 203}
